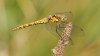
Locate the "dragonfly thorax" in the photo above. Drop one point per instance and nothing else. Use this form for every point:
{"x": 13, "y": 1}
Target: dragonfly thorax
{"x": 57, "y": 17}
{"x": 53, "y": 18}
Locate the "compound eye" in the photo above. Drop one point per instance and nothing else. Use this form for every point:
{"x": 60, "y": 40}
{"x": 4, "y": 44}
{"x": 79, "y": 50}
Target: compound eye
{"x": 64, "y": 17}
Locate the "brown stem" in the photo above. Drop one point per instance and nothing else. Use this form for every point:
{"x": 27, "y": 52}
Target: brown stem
{"x": 63, "y": 41}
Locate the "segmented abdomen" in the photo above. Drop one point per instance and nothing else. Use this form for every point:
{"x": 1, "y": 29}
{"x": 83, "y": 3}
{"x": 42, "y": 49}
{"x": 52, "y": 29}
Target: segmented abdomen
{"x": 42, "y": 21}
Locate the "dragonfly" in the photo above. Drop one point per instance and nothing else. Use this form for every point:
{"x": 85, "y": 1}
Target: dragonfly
{"x": 55, "y": 23}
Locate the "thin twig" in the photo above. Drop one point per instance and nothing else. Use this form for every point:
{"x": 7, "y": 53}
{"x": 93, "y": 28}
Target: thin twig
{"x": 63, "y": 41}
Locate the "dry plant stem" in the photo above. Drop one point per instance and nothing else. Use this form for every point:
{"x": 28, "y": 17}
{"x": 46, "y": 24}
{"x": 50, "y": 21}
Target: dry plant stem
{"x": 63, "y": 41}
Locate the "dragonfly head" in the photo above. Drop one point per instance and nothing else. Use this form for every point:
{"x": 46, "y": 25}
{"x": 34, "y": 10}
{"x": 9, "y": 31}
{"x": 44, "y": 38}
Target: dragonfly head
{"x": 63, "y": 17}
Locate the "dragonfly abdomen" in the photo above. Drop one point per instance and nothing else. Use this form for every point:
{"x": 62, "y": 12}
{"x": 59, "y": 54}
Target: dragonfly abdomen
{"x": 42, "y": 21}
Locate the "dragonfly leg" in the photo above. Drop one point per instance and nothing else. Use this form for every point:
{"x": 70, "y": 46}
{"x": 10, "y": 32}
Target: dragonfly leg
{"x": 57, "y": 26}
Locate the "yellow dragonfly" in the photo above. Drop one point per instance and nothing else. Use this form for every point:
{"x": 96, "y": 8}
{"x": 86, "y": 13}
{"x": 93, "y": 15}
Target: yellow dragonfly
{"x": 55, "y": 23}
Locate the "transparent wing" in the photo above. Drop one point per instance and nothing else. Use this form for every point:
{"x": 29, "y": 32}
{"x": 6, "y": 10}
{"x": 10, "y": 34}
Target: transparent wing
{"x": 52, "y": 27}
{"x": 76, "y": 31}
{"x": 68, "y": 14}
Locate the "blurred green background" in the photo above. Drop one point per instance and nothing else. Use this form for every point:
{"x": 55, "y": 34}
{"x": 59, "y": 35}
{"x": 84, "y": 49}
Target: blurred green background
{"x": 36, "y": 40}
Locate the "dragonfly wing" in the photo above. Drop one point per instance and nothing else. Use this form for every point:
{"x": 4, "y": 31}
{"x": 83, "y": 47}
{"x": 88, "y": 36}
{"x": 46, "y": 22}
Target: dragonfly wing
{"x": 52, "y": 27}
{"x": 76, "y": 31}
{"x": 68, "y": 14}
{"x": 70, "y": 41}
